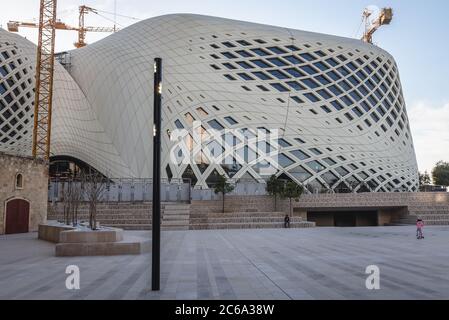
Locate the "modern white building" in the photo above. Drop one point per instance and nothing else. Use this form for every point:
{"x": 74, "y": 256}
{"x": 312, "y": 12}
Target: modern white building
{"x": 333, "y": 106}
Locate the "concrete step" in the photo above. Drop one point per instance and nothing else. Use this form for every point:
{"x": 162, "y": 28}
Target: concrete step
{"x": 175, "y": 222}
{"x": 237, "y": 220}
{"x": 174, "y": 228}
{"x": 236, "y": 214}
{"x": 221, "y": 226}
{"x": 181, "y": 218}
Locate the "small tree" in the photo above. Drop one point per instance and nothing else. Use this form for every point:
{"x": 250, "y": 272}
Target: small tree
{"x": 292, "y": 191}
{"x": 223, "y": 187}
{"x": 94, "y": 188}
{"x": 440, "y": 174}
{"x": 275, "y": 187}
{"x": 424, "y": 179}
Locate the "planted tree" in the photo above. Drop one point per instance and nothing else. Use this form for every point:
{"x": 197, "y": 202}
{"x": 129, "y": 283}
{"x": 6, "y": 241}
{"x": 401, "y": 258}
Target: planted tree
{"x": 292, "y": 191}
{"x": 94, "y": 188}
{"x": 275, "y": 187}
{"x": 440, "y": 174}
{"x": 223, "y": 187}
{"x": 424, "y": 179}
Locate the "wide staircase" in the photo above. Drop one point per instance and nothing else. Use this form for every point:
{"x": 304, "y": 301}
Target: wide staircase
{"x": 434, "y": 214}
{"x": 243, "y": 220}
{"x": 179, "y": 216}
{"x": 131, "y": 216}
{"x": 431, "y": 214}
{"x": 175, "y": 216}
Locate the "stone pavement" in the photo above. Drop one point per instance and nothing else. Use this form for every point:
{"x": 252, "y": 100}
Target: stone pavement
{"x": 321, "y": 263}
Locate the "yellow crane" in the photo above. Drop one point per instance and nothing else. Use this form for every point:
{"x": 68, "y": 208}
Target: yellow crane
{"x": 371, "y": 26}
{"x": 13, "y": 26}
{"x": 44, "y": 79}
{"x": 43, "y": 97}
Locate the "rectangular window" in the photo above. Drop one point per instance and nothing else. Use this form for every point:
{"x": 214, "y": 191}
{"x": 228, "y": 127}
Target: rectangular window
{"x": 245, "y": 65}
{"x": 229, "y": 66}
{"x": 301, "y": 155}
{"x": 335, "y": 90}
{"x": 337, "y": 105}
{"x": 295, "y": 72}
{"x": 333, "y": 75}
{"x": 321, "y": 66}
{"x": 215, "y": 125}
{"x": 260, "y": 52}
{"x": 229, "y": 55}
{"x": 307, "y": 56}
{"x": 229, "y": 77}
{"x": 293, "y": 48}
{"x": 278, "y": 74}
{"x": 244, "y": 54}
{"x": 324, "y": 94}
{"x": 309, "y": 70}
{"x": 357, "y": 111}
{"x": 279, "y": 87}
{"x": 323, "y": 80}
{"x": 244, "y": 76}
{"x": 262, "y": 75}
{"x": 278, "y": 62}
{"x": 244, "y": 42}
{"x": 311, "y": 97}
{"x": 261, "y": 63}
{"x": 231, "y": 120}
{"x": 263, "y": 88}
{"x": 277, "y": 50}
{"x": 228, "y": 44}
{"x": 332, "y": 62}
{"x": 293, "y": 59}
{"x": 295, "y": 85}
{"x": 347, "y": 101}
{"x": 326, "y": 109}
{"x": 297, "y": 99}
{"x": 310, "y": 83}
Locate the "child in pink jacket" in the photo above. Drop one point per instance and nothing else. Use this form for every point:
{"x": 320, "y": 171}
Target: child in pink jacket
{"x": 419, "y": 227}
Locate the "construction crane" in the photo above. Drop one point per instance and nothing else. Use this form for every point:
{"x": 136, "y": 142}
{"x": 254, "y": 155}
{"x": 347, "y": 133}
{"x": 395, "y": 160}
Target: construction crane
{"x": 13, "y": 26}
{"x": 44, "y": 80}
{"x": 384, "y": 18}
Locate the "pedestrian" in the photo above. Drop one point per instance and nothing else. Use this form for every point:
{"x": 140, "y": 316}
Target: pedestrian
{"x": 287, "y": 221}
{"x": 419, "y": 228}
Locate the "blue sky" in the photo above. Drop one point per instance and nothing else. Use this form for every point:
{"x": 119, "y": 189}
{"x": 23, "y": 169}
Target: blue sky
{"x": 418, "y": 38}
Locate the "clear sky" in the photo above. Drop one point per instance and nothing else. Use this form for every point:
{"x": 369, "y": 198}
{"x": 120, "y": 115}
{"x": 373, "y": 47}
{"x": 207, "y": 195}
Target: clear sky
{"x": 418, "y": 38}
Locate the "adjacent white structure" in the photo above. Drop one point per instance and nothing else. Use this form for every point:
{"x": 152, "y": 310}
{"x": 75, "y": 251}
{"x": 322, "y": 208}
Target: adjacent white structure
{"x": 335, "y": 103}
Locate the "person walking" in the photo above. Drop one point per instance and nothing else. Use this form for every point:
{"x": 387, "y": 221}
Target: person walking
{"x": 419, "y": 229}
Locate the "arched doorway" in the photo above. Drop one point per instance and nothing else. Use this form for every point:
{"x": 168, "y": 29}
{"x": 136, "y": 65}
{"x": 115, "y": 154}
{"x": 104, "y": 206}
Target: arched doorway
{"x": 17, "y": 216}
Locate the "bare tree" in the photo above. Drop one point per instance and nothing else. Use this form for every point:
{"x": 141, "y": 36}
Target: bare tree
{"x": 94, "y": 187}
{"x": 76, "y": 197}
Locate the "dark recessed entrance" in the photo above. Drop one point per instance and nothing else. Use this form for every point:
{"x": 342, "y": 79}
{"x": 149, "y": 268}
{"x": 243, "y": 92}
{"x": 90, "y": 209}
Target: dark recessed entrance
{"x": 344, "y": 218}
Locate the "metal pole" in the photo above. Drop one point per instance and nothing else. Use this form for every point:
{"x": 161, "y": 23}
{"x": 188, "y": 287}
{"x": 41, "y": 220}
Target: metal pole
{"x": 156, "y": 222}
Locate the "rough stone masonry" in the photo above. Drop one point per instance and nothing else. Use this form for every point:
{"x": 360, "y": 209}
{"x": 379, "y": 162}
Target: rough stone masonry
{"x": 33, "y": 187}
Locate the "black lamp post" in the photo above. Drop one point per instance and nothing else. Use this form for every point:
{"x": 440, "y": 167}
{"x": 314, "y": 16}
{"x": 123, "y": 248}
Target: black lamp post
{"x": 156, "y": 222}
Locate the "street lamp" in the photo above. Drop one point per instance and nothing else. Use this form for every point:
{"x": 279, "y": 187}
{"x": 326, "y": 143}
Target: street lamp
{"x": 156, "y": 222}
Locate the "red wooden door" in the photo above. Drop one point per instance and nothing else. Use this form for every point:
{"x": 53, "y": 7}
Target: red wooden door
{"x": 17, "y": 216}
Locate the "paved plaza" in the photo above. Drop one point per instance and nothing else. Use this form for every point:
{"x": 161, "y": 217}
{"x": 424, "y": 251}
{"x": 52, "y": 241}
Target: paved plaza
{"x": 321, "y": 263}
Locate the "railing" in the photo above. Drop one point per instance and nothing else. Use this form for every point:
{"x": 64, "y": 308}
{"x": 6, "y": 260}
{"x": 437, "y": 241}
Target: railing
{"x": 141, "y": 190}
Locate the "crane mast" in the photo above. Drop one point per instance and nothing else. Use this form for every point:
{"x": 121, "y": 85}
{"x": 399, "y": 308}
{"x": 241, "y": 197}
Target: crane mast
{"x": 44, "y": 80}
{"x": 385, "y": 17}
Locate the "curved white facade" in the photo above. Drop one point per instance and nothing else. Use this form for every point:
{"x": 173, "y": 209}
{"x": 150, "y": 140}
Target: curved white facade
{"x": 336, "y": 104}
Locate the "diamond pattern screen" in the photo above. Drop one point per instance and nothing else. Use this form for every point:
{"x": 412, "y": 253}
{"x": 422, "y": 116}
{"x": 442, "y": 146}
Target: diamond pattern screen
{"x": 16, "y": 100}
{"x": 336, "y": 103}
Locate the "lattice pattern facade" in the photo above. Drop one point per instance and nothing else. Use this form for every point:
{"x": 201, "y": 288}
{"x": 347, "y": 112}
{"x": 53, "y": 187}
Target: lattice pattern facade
{"x": 337, "y": 104}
